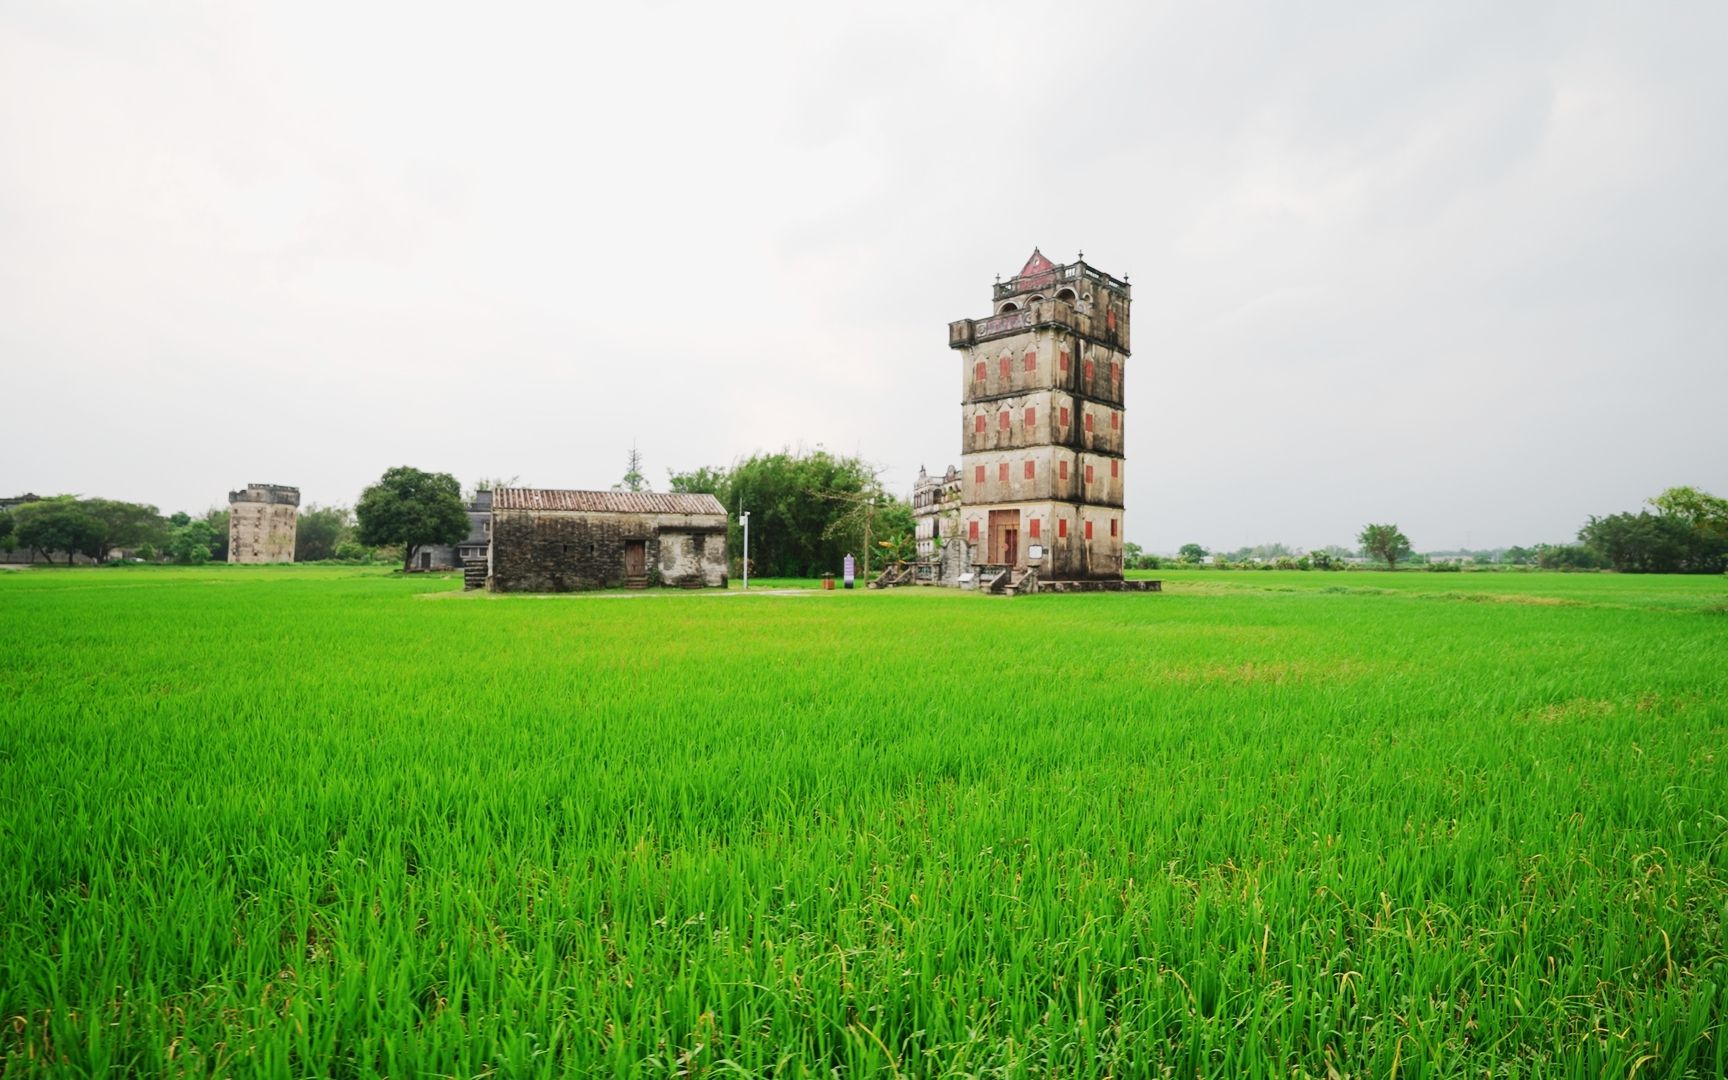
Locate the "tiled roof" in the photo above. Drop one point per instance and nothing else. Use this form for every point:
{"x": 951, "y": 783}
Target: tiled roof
{"x": 605, "y": 502}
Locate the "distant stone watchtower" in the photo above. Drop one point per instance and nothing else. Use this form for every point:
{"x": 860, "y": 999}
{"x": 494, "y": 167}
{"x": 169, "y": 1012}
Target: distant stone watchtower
{"x": 261, "y": 522}
{"x": 1042, "y": 422}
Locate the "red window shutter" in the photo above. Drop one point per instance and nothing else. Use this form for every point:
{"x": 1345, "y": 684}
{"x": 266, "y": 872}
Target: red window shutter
{"x": 1061, "y": 527}
{"x": 972, "y": 531}
{"x": 1062, "y": 469}
{"x": 1064, "y": 361}
{"x": 1002, "y": 419}
{"x": 1088, "y": 530}
{"x": 1031, "y": 360}
{"x": 1034, "y": 527}
{"x": 978, "y": 474}
{"x": 1112, "y": 526}
{"x": 1062, "y": 417}
{"x": 1086, "y": 371}
{"x": 1115, "y": 420}
{"x": 1032, "y": 417}
{"x": 1031, "y": 471}
{"x": 978, "y": 371}
{"x": 1003, "y": 367}
{"x": 1002, "y": 472}
{"x": 978, "y": 423}
{"x": 1115, "y": 374}
{"x": 1088, "y": 421}
{"x": 1115, "y": 468}
{"x": 1088, "y": 474}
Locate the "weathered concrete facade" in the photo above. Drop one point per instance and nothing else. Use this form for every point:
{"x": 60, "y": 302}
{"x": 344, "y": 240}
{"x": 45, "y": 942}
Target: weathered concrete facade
{"x": 935, "y": 511}
{"x": 262, "y": 522}
{"x": 561, "y": 541}
{"x": 1042, "y": 423}
{"x": 451, "y": 557}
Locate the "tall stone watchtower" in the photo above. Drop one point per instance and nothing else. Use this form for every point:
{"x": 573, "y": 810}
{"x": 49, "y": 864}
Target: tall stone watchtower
{"x": 262, "y": 519}
{"x": 1041, "y": 422}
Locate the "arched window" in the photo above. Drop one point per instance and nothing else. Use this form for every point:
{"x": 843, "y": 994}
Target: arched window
{"x": 1008, "y": 309}
{"x": 1066, "y": 296}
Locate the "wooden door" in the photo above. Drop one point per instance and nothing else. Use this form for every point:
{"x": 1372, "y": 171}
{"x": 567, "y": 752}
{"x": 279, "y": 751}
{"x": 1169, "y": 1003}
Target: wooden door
{"x": 1011, "y": 546}
{"x": 635, "y": 557}
{"x": 1004, "y": 547}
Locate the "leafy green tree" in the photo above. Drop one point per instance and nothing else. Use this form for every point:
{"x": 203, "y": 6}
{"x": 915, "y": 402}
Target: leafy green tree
{"x": 633, "y": 478}
{"x": 1567, "y": 557}
{"x": 412, "y": 508}
{"x": 218, "y": 522}
{"x": 797, "y": 503}
{"x": 193, "y": 543}
{"x": 1646, "y": 543}
{"x": 320, "y": 531}
{"x": 1384, "y": 542}
{"x": 58, "y": 524}
{"x": 1192, "y": 553}
{"x": 7, "y": 523}
{"x": 1519, "y": 556}
{"x": 124, "y": 525}
{"x": 1700, "y": 510}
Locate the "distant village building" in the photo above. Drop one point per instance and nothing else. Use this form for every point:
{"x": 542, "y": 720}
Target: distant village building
{"x": 560, "y": 541}
{"x": 262, "y": 519}
{"x": 450, "y": 557}
{"x": 1042, "y": 424}
{"x": 935, "y": 511}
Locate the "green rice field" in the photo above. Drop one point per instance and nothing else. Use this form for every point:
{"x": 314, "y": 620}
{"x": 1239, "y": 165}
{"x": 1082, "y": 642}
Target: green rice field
{"x": 295, "y": 822}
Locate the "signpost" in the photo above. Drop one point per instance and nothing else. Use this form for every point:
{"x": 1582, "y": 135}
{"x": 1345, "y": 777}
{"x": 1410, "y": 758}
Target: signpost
{"x": 851, "y": 568}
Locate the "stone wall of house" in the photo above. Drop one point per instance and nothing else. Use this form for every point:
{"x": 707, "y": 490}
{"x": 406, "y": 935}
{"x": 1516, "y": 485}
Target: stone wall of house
{"x": 560, "y": 551}
{"x": 262, "y": 522}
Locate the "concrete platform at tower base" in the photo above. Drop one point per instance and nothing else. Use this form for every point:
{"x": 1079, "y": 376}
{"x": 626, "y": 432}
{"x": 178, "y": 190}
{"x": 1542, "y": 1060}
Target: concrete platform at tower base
{"x": 1143, "y": 585}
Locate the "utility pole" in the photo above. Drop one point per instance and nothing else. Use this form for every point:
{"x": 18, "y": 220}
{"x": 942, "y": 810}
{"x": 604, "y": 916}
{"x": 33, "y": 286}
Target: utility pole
{"x": 744, "y": 516}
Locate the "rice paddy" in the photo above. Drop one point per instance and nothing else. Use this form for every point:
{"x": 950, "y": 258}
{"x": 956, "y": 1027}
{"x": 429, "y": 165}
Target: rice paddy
{"x": 332, "y": 822}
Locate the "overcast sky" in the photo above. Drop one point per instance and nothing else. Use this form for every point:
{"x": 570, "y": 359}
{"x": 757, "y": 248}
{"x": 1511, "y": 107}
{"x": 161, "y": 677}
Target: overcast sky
{"x": 1464, "y": 269}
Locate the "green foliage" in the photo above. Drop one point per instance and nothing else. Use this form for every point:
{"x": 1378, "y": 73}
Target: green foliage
{"x": 1646, "y": 543}
{"x": 633, "y": 478}
{"x": 320, "y": 531}
{"x": 412, "y": 508}
{"x": 1519, "y": 556}
{"x": 807, "y": 510}
{"x": 7, "y": 524}
{"x": 281, "y": 822}
{"x": 1192, "y": 553}
{"x": 218, "y": 522}
{"x": 60, "y": 524}
{"x": 1384, "y": 542}
{"x": 1567, "y": 557}
{"x": 193, "y": 543}
{"x": 1700, "y": 510}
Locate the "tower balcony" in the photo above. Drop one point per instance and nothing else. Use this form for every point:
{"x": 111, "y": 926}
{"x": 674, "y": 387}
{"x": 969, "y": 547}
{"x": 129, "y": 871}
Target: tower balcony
{"x": 1039, "y": 315}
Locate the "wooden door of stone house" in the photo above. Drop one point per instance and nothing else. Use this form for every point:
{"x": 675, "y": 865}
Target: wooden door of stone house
{"x": 1004, "y": 537}
{"x": 635, "y": 558}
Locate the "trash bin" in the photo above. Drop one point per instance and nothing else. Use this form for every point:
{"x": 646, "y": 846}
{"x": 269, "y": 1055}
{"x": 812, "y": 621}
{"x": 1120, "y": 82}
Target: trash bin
{"x": 828, "y": 582}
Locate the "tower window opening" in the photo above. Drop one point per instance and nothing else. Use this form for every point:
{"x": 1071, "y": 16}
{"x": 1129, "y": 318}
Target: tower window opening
{"x": 1008, "y": 309}
{"x": 1066, "y": 296}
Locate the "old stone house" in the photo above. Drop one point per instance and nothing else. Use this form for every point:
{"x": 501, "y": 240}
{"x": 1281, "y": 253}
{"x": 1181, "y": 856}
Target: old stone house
{"x": 473, "y": 546}
{"x": 546, "y": 540}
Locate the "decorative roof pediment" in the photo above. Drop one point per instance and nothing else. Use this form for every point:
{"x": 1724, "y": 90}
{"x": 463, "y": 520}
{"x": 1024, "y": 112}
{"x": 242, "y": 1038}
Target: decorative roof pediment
{"x": 1037, "y": 264}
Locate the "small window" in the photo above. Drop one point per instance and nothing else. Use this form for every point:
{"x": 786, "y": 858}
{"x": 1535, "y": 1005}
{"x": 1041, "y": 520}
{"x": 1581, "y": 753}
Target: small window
{"x": 1031, "y": 420}
{"x": 1115, "y": 374}
{"x": 978, "y": 423}
{"x": 1062, "y": 417}
{"x": 1115, "y": 468}
{"x": 1031, "y": 470}
{"x": 1112, "y": 526}
{"x": 979, "y": 371}
{"x": 1002, "y": 366}
{"x": 1115, "y": 421}
{"x": 978, "y": 474}
{"x": 1064, "y": 362}
{"x": 972, "y": 531}
{"x": 1088, "y": 530}
{"x": 1002, "y": 473}
{"x": 1033, "y": 527}
{"x": 1002, "y": 420}
{"x": 1088, "y": 421}
{"x": 1031, "y": 360}
{"x": 1062, "y": 470}
{"x": 1088, "y": 474}
{"x": 1086, "y": 371}
{"x": 1061, "y": 528}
